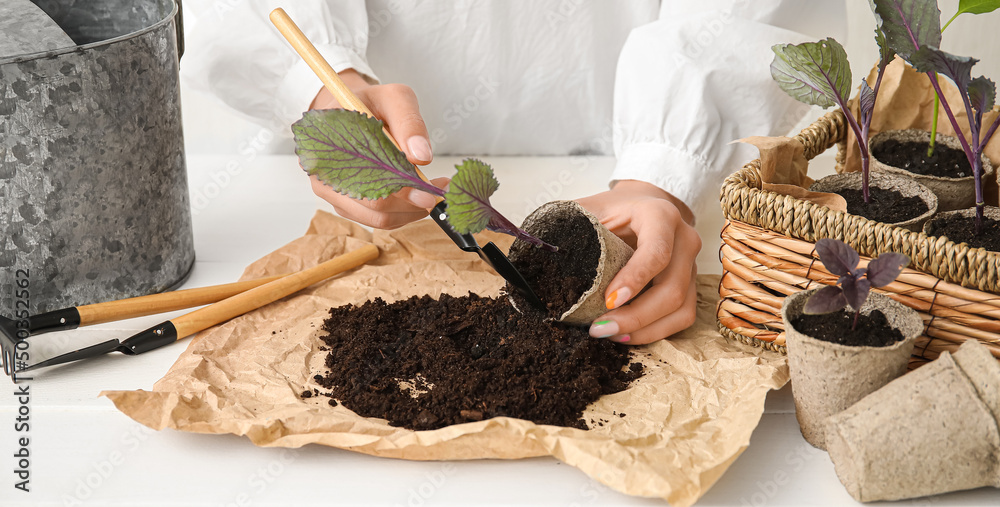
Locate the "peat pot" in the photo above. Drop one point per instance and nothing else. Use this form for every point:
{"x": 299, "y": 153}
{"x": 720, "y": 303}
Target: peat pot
{"x": 952, "y": 193}
{"x": 931, "y": 431}
{"x": 615, "y": 253}
{"x": 886, "y": 181}
{"x": 829, "y": 377}
{"x": 93, "y": 187}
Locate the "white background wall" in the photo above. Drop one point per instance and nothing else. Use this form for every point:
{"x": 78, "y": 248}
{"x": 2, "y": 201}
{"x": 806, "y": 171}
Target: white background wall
{"x": 212, "y": 129}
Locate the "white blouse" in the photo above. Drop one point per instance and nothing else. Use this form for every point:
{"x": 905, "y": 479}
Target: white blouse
{"x": 665, "y": 86}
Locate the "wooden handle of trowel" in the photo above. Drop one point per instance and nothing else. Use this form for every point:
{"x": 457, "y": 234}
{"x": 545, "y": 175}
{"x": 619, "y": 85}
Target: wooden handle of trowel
{"x": 141, "y": 306}
{"x": 252, "y": 299}
{"x": 331, "y": 80}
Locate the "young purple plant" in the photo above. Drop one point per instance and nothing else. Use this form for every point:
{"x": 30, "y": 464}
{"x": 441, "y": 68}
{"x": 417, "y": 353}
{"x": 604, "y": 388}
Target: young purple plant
{"x": 913, "y": 30}
{"x": 349, "y": 152}
{"x": 854, "y": 283}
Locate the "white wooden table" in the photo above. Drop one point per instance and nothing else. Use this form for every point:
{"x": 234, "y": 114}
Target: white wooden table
{"x": 84, "y": 452}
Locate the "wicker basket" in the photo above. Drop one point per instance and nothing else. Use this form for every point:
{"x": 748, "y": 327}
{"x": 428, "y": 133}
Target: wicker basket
{"x": 767, "y": 253}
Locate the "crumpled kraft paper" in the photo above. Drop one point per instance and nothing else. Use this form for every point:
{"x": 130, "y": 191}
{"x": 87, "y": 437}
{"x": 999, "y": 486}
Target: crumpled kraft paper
{"x": 906, "y": 100}
{"x": 783, "y": 168}
{"x": 687, "y": 419}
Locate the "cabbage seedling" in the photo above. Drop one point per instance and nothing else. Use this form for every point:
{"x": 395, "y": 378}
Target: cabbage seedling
{"x": 349, "y": 152}
{"x": 818, "y": 73}
{"x": 854, "y": 283}
{"x": 913, "y": 30}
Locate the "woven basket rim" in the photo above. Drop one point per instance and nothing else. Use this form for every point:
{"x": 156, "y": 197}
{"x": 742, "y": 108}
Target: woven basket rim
{"x": 743, "y": 199}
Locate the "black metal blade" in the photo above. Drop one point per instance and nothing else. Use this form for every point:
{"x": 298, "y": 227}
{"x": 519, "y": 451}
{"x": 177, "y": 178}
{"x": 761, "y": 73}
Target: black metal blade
{"x": 76, "y": 355}
{"x": 503, "y": 266}
{"x": 464, "y": 241}
{"x": 491, "y": 254}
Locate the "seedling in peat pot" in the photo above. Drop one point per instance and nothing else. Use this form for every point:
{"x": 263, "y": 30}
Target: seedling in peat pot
{"x": 349, "y": 152}
{"x": 854, "y": 283}
{"x": 818, "y": 73}
{"x": 913, "y": 30}
{"x": 964, "y": 7}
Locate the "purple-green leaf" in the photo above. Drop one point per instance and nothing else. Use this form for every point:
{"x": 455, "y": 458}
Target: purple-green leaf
{"x": 349, "y": 152}
{"x": 909, "y": 24}
{"x": 982, "y": 93}
{"x": 469, "y": 208}
{"x": 866, "y": 102}
{"x": 956, "y": 68}
{"x": 815, "y": 73}
{"x": 855, "y": 291}
{"x": 883, "y": 270}
{"x": 468, "y": 196}
{"x": 839, "y": 258}
{"x": 885, "y": 53}
{"x": 826, "y": 300}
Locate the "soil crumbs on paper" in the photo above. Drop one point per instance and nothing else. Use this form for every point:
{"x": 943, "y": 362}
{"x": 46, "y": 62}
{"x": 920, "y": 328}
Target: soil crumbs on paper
{"x": 889, "y": 206}
{"x": 873, "y": 330}
{"x": 963, "y": 230}
{"x": 946, "y": 162}
{"x": 558, "y": 278}
{"x": 424, "y": 364}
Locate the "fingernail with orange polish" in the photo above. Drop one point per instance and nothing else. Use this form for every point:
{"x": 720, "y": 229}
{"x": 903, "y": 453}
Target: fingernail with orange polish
{"x": 617, "y": 298}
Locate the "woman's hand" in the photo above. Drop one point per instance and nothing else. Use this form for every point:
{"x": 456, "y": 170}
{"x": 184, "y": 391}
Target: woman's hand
{"x": 660, "y": 229}
{"x": 396, "y": 105}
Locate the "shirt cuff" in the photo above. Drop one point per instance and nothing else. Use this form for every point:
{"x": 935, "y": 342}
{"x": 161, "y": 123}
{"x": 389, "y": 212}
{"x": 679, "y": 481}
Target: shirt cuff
{"x": 677, "y": 171}
{"x": 300, "y": 85}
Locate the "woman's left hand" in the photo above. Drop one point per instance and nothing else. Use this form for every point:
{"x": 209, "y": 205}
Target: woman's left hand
{"x": 659, "y": 227}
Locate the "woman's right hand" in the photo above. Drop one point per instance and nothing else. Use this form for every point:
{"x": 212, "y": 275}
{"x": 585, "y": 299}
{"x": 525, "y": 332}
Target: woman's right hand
{"x": 396, "y": 105}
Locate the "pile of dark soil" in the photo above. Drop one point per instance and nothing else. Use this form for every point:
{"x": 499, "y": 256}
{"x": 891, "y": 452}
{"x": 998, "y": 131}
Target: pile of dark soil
{"x": 424, "y": 364}
{"x": 946, "y": 162}
{"x": 558, "y": 278}
{"x": 963, "y": 230}
{"x": 873, "y": 330}
{"x": 888, "y": 206}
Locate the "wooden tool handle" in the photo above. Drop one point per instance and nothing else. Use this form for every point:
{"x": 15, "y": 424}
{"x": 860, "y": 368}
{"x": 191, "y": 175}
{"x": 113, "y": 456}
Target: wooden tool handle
{"x": 252, "y": 299}
{"x": 331, "y": 80}
{"x": 141, "y": 306}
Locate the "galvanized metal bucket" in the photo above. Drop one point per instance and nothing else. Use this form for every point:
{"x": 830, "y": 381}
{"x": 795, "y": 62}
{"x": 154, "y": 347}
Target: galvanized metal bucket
{"x": 93, "y": 185}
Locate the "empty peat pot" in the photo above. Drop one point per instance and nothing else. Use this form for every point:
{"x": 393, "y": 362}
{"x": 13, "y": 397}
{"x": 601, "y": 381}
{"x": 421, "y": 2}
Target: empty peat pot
{"x": 952, "y": 192}
{"x": 906, "y": 186}
{"x": 931, "y": 431}
{"x": 93, "y": 186}
{"x": 614, "y": 253}
{"x": 829, "y": 377}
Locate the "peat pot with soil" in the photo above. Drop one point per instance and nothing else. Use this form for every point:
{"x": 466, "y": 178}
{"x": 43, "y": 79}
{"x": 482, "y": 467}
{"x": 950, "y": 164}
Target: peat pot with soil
{"x": 843, "y": 341}
{"x": 571, "y": 281}
{"x": 945, "y": 169}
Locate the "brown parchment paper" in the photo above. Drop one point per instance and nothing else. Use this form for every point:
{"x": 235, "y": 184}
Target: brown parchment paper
{"x": 687, "y": 419}
{"x": 906, "y": 100}
{"x": 783, "y": 168}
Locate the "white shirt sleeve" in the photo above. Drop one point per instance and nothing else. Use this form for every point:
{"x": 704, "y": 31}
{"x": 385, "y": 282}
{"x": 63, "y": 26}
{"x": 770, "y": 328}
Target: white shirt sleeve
{"x": 237, "y": 55}
{"x": 699, "y": 78}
